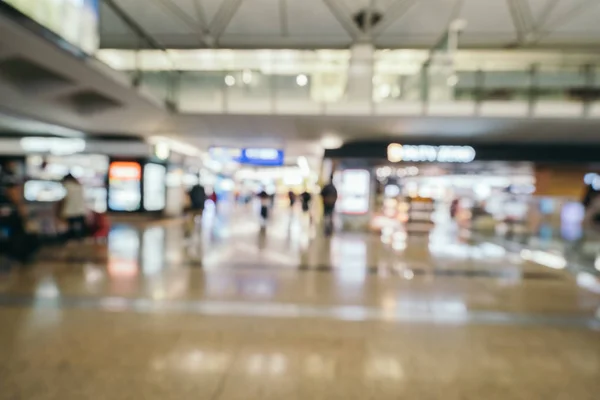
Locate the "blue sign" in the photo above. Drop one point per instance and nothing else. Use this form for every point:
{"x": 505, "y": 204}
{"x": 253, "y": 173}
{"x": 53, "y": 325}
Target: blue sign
{"x": 265, "y": 157}
{"x": 250, "y": 156}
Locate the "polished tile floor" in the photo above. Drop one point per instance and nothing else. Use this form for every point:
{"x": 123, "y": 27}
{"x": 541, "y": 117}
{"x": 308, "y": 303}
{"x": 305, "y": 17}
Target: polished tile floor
{"x": 239, "y": 312}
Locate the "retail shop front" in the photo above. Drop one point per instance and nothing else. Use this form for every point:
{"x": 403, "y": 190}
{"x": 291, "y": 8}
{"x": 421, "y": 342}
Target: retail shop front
{"x": 419, "y": 186}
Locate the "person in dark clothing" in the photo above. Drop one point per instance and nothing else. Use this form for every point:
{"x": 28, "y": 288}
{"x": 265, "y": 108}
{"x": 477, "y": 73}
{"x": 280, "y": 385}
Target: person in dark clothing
{"x": 305, "y": 199}
{"x": 329, "y": 195}
{"x": 14, "y": 240}
{"x": 265, "y": 204}
{"x": 197, "y": 196}
{"x": 292, "y": 197}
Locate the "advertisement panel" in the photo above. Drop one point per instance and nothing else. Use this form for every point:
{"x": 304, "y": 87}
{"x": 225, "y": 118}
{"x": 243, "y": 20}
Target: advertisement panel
{"x": 154, "y": 187}
{"x": 124, "y": 186}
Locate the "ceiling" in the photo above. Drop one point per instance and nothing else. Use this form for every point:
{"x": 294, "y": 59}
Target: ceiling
{"x": 330, "y": 24}
{"x": 303, "y": 134}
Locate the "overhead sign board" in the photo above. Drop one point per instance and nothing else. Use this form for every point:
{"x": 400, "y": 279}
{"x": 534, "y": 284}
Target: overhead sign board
{"x": 251, "y": 156}
{"x": 425, "y": 153}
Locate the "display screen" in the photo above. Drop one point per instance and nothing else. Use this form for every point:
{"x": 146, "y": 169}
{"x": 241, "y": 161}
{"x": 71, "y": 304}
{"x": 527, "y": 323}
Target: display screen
{"x": 154, "y": 187}
{"x": 43, "y": 191}
{"x": 354, "y": 191}
{"x": 74, "y": 21}
{"x": 124, "y": 186}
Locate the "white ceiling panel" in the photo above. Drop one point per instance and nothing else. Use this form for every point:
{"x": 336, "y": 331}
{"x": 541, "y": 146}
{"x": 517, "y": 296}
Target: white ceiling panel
{"x": 188, "y": 7}
{"x": 540, "y": 7}
{"x": 111, "y": 24}
{"x": 312, "y": 18}
{"x": 564, "y": 8}
{"x": 486, "y": 16}
{"x": 312, "y": 24}
{"x": 256, "y": 17}
{"x": 425, "y": 17}
{"x": 586, "y": 21}
{"x": 154, "y": 18}
{"x": 210, "y": 8}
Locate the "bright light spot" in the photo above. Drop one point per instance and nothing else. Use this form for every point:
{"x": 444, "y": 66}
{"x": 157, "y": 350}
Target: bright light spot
{"x": 384, "y": 172}
{"x": 412, "y": 171}
{"x": 545, "y": 258}
{"x": 247, "y": 76}
{"x": 597, "y": 264}
{"x": 452, "y": 80}
{"x": 301, "y": 80}
{"x": 384, "y": 91}
{"x": 229, "y": 80}
{"x": 303, "y": 164}
{"x": 408, "y": 274}
{"x": 331, "y": 142}
{"x": 589, "y": 178}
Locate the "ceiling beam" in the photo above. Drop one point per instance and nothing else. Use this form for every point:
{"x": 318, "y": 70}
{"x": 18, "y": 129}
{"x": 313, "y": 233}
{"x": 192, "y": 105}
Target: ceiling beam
{"x": 200, "y": 14}
{"x": 545, "y": 14}
{"x": 343, "y": 16}
{"x": 176, "y": 11}
{"x": 392, "y": 14}
{"x": 133, "y": 25}
{"x": 223, "y": 17}
{"x": 283, "y": 18}
{"x": 574, "y": 12}
{"x": 522, "y": 18}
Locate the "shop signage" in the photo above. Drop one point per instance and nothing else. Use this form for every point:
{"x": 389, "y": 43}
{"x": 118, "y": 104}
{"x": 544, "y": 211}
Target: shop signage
{"x": 425, "y": 153}
{"x": 251, "y": 156}
{"x": 52, "y": 145}
{"x": 124, "y": 190}
{"x": 271, "y": 157}
{"x": 354, "y": 191}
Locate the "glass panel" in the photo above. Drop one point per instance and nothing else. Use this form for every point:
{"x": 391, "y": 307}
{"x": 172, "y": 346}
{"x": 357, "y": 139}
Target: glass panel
{"x": 466, "y": 86}
{"x": 561, "y": 83}
{"x": 247, "y": 85}
{"x": 292, "y": 87}
{"x": 509, "y": 85}
{"x": 199, "y": 89}
{"x": 158, "y": 82}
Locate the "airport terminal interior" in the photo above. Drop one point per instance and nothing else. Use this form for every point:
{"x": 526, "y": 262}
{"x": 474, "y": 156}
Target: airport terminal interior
{"x": 316, "y": 199}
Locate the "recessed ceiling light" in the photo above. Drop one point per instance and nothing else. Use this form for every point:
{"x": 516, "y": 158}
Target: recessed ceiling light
{"x": 302, "y": 80}
{"x": 229, "y": 80}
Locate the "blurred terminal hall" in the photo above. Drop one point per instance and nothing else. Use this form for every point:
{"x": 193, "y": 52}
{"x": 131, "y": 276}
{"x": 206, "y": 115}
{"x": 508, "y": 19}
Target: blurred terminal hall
{"x": 300, "y": 199}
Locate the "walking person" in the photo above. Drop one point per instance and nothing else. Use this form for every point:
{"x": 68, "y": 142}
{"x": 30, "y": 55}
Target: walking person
{"x": 73, "y": 211}
{"x": 292, "y": 196}
{"x": 329, "y": 195}
{"x": 197, "y": 198}
{"x": 265, "y": 204}
{"x": 305, "y": 199}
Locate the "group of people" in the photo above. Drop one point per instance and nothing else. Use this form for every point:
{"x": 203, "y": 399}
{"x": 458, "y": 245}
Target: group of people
{"x": 16, "y": 239}
{"x": 197, "y": 198}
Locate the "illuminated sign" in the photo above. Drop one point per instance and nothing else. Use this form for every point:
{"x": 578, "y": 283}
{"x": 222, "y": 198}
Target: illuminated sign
{"x": 251, "y": 156}
{"x": 154, "y": 187}
{"x": 424, "y": 153}
{"x": 57, "y": 146}
{"x": 354, "y": 191}
{"x": 124, "y": 189}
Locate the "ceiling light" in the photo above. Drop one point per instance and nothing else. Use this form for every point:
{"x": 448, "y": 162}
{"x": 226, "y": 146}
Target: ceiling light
{"x": 384, "y": 91}
{"x": 247, "y": 76}
{"x": 331, "y": 142}
{"x": 229, "y": 80}
{"x": 301, "y": 80}
{"x": 452, "y": 80}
